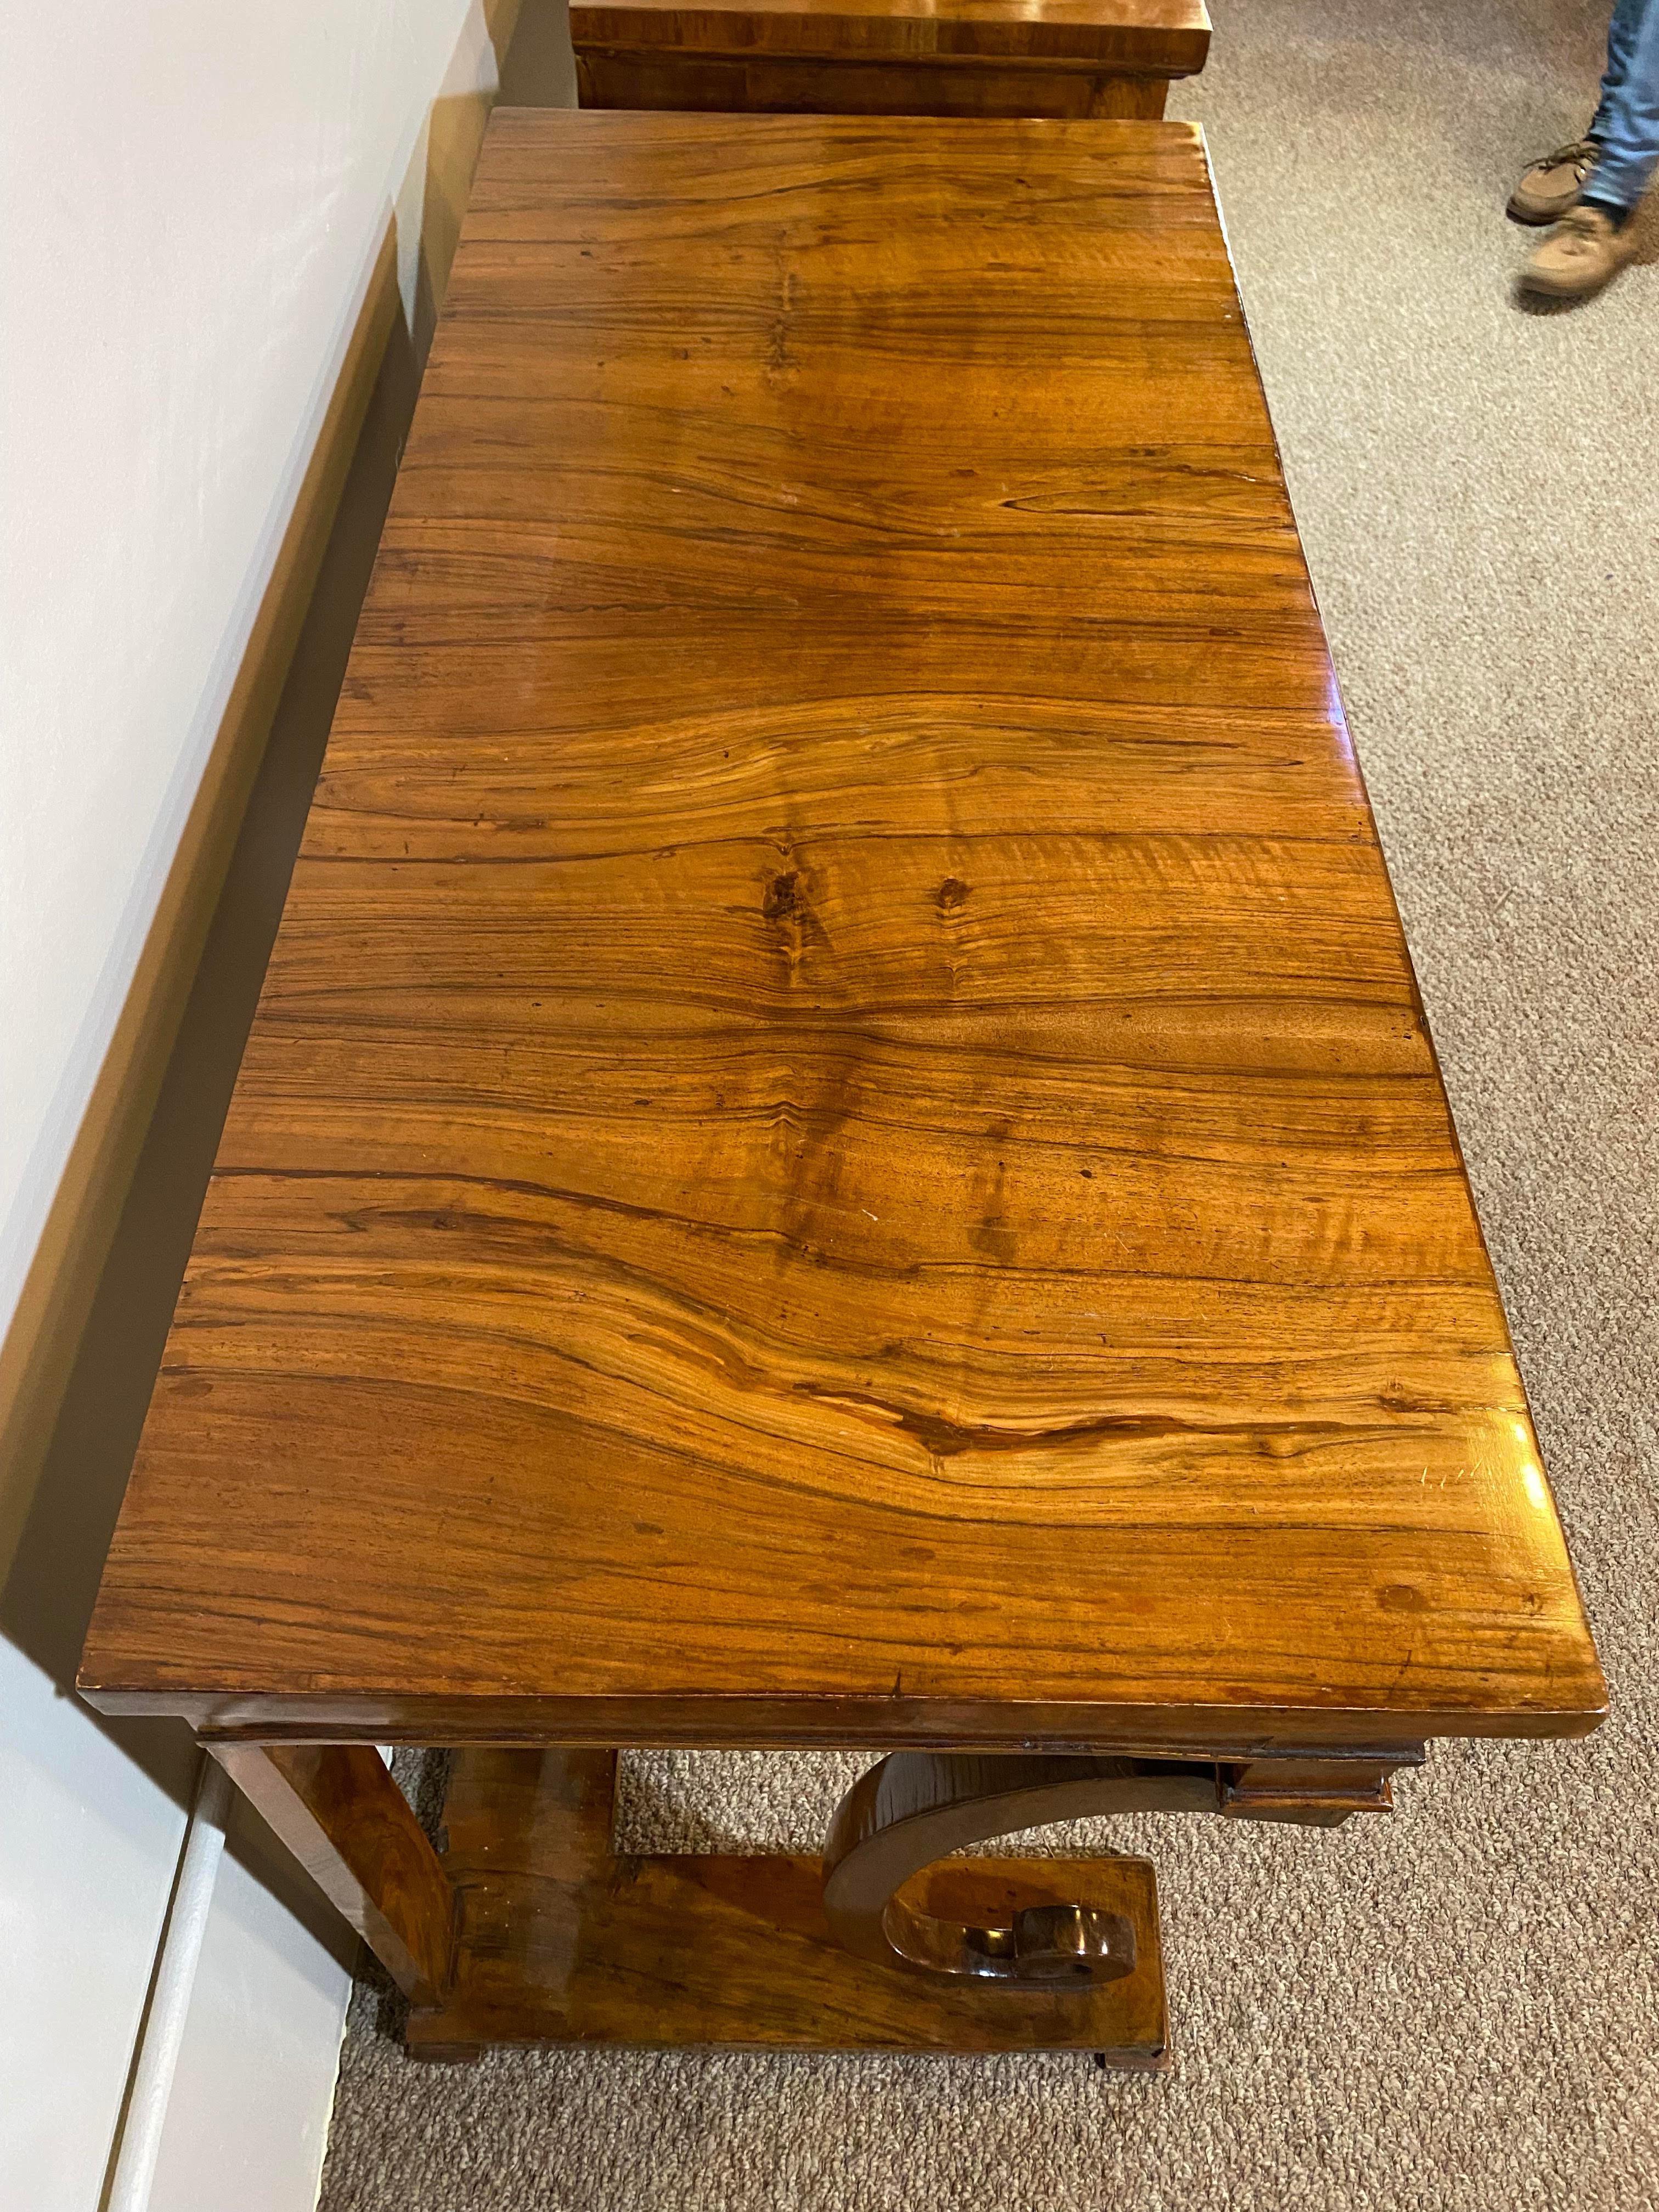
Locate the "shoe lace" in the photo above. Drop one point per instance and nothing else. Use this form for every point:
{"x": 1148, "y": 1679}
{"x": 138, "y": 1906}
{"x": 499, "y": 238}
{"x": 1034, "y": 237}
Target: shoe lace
{"x": 1578, "y": 153}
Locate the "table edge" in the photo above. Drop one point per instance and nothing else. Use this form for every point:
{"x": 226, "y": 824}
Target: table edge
{"x": 759, "y": 1722}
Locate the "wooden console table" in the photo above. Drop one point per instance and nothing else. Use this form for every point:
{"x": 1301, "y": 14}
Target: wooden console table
{"x": 840, "y": 1148}
{"x": 1014, "y": 57}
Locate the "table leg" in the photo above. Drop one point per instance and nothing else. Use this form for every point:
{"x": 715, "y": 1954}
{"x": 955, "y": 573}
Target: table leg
{"x": 345, "y": 1820}
{"x": 916, "y": 1805}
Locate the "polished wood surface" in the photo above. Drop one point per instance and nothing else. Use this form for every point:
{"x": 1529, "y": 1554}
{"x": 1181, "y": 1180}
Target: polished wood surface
{"x": 562, "y": 1943}
{"x": 840, "y": 1144}
{"x": 1042, "y": 57}
{"x": 344, "y": 1819}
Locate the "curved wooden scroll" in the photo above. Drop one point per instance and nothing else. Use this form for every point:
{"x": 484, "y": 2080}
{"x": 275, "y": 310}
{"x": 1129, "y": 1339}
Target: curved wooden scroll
{"x": 917, "y": 1805}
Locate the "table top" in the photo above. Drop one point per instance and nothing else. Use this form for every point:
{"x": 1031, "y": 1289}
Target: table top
{"x": 1159, "y": 37}
{"x": 840, "y": 1144}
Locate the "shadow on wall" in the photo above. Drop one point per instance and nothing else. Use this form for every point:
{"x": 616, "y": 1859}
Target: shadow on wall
{"x": 82, "y": 1356}
{"x": 540, "y": 69}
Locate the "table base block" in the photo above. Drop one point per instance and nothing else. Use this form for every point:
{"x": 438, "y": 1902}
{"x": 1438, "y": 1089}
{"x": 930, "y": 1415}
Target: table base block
{"x": 560, "y": 1942}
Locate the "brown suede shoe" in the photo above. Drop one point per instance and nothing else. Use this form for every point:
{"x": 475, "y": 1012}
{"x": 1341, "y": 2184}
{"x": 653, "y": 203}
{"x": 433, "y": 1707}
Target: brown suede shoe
{"x": 1578, "y": 257}
{"x": 1553, "y": 183}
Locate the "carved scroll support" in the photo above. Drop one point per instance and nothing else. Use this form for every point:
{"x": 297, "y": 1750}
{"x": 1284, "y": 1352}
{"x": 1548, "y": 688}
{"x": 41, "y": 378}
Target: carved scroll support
{"x": 916, "y": 1808}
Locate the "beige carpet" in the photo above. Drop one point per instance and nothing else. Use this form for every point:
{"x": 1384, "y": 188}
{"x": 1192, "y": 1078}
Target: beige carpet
{"x": 1457, "y": 2008}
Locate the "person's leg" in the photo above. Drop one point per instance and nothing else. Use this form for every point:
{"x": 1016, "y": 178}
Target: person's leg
{"x": 1555, "y": 182}
{"x": 1627, "y": 124}
{"x": 1622, "y": 34}
{"x": 1612, "y": 168}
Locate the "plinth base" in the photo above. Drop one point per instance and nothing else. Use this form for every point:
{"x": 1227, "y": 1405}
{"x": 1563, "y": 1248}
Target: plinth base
{"x": 560, "y": 1942}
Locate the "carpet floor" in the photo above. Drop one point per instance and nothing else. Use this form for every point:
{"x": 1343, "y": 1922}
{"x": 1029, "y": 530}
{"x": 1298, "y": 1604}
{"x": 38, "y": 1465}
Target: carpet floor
{"x": 1457, "y": 2008}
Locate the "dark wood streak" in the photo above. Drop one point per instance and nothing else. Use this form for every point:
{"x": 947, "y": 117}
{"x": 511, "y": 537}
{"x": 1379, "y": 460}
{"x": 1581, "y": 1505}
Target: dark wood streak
{"x": 839, "y": 1145}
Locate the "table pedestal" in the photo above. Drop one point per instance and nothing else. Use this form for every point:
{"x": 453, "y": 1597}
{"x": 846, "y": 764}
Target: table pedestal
{"x": 524, "y": 1927}
{"x": 559, "y": 1941}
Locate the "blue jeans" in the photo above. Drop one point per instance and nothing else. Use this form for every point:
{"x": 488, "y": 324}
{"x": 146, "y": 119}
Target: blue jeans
{"x": 1627, "y": 120}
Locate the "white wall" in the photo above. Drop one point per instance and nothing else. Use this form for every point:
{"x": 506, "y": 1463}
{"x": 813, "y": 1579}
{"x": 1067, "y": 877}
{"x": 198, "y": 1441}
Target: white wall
{"x": 87, "y": 1846}
{"x": 247, "y": 2122}
{"x": 204, "y": 203}
{"x": 196, "y": 195}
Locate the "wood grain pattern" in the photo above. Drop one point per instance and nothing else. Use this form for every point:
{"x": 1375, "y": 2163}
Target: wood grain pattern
{"x": 840, "y": 1143}
{"x": 562, "y": 1943}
